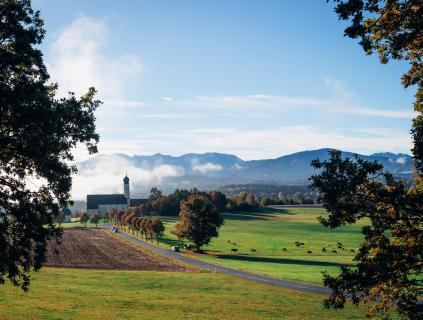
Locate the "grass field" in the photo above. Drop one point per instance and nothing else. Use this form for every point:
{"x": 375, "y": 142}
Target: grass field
{"x": 111, "y": 294}
{"x": 268, "y": 232}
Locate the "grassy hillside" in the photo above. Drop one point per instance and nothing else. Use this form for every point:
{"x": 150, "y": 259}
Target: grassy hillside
{"x": 268, "y": 232}
{"x": 93, "y": 294}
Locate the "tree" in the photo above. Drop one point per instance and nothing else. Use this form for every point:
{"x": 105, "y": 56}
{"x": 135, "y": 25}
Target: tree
{"x": 37, "y": 134}
{"x": 199, "y": 220}
{"x": 155, "y": 194}
{"x": 264, "y": 202}
{"x": 389, "y": 262}
{"x": 95, "y": 218}
{"x": 143, "y": 227}
{"x": 60, "y": 218}
{"x": 218, "y": 199}
{"x": 84, "y": 219}
{"x": 393, "y": 29}
{"x": 157, "y": 229}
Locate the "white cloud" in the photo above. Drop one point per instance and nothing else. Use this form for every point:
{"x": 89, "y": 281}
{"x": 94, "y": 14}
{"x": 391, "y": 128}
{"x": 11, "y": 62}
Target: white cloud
{"x": 401, "y": 160}
{"x": 206, "y": 167}
{"x": 77, "y": 60}
{"x": 339, "y": 104}
{"x": 104, "y": 175}
{"x": 238, "y": 166}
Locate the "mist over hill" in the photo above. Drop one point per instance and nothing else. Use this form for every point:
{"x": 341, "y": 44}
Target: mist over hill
{"x": 104, "y": 173}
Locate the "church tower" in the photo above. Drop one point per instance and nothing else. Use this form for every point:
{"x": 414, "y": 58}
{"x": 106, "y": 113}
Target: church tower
{"x": 126, "y": 189}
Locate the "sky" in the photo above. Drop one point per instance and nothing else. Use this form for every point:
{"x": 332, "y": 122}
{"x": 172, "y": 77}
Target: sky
{"x": 258, "y": 79}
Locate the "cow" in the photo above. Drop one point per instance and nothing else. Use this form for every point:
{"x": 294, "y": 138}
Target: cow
{"x": 253, "y": 250}
{"x": 323, "y": 249}
{"x": 234, "y": 250}
{"x": 334, "y": 251}
{"x": 309, "y": 251}
{"x": 284, "y": 249}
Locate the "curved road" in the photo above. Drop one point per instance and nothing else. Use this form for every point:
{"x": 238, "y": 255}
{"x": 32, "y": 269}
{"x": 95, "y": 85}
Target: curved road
{"x": 293, "y": 285}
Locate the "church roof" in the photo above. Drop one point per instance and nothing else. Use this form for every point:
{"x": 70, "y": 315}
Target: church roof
{"x": 126, "y": 180}
{"x": 93, "y": 200}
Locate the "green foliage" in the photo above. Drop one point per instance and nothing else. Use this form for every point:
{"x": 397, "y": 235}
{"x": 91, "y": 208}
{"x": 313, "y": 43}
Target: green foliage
{"x": 199, "y": 220}
{"x": 394, "y": 30}
{"x": 389, "y": 264}
{"x": 37, "y": 134}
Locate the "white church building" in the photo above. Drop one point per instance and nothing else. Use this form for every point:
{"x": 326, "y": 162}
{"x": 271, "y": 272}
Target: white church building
{"x": 101, "y": 203}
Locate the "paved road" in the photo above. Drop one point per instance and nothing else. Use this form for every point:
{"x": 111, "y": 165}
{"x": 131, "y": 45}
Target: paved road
{"x": 212, "y": 267}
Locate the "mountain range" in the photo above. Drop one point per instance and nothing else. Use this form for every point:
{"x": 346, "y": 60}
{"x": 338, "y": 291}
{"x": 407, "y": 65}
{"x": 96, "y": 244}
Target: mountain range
{"x": 212, "y": 170}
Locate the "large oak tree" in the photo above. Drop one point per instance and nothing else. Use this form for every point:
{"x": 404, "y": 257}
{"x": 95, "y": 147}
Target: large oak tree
{"x": 199, "y": 220}
{"x": 389, "y": 264}
{"x": 37, "y": 134}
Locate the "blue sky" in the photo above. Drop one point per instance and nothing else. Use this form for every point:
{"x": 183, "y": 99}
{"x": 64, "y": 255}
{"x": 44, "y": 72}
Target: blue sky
{"x": 258, "y": 79}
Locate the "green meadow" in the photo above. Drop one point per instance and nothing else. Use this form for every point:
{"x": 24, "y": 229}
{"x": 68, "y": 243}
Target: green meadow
{"x": 93, "y": 294}
{"x": 268, "y": 232}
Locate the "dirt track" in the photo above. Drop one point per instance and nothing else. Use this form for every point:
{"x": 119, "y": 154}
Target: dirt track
{"x": 98, "y": 249}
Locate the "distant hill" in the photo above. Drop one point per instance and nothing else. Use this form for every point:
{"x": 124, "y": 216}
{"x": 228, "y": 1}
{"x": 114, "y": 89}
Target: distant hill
{"x": 212, "y": 170}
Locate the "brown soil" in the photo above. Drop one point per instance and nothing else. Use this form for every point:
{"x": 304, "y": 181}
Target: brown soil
{"x": 98, "y": 249}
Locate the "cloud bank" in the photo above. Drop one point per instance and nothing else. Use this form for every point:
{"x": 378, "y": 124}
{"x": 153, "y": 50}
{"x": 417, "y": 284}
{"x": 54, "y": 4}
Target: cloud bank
{"x": 104, "y": 175}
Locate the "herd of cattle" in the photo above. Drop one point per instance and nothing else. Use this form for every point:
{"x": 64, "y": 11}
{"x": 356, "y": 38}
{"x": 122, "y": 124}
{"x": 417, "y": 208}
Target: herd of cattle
{"x": 326, "y": 248}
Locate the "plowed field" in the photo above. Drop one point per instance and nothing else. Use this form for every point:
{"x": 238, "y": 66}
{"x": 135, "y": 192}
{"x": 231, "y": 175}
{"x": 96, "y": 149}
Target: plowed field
{"x": 99, "y": 249}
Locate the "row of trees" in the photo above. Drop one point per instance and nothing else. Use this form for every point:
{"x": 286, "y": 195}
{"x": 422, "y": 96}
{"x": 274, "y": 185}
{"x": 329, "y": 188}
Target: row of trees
{"x": 129, "y": 220}
{"x": 170, "y": 205}
{"x": 288, "y": 199}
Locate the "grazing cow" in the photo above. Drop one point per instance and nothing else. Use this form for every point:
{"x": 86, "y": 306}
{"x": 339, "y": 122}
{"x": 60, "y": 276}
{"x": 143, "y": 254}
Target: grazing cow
{"x": 301, "y": 243}
{"x": 352, "y": 250}
{"x": 334, "y": 251}
{"x": 234, "y": 250}
{"x": 284, "y": 249}
{"x": 309, "y": 251}
{"x": 323, "y": 249}
{"x": 253, "y": 250}
{"x": 229, "y": 241}
{"x": 298, "y": 244}
{"x": 340, "y": 246}
{"x": 234, "y": 243}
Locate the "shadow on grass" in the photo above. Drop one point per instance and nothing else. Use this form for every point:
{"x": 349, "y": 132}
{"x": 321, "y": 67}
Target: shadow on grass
{"x": 280, "y": 260}
{"x": 260, "y": 214}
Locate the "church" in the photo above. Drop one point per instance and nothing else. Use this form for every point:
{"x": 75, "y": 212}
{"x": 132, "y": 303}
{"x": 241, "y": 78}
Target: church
{"x": 101, "y": 203}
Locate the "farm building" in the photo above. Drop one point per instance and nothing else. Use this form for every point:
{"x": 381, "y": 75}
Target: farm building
{"x": 101, "y": 203}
